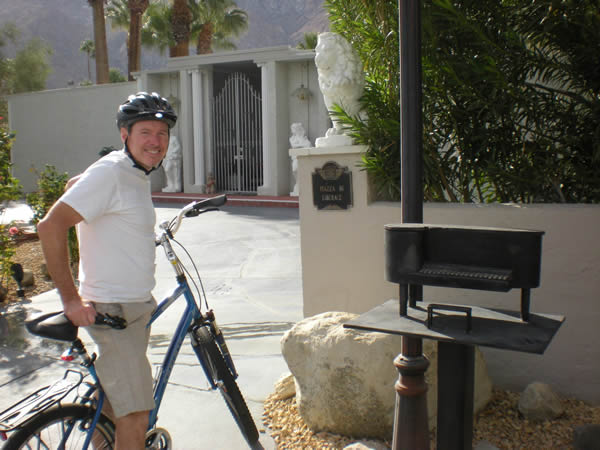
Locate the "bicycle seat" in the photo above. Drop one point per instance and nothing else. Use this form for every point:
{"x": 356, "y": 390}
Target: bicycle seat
{"x": 53, "y": 326}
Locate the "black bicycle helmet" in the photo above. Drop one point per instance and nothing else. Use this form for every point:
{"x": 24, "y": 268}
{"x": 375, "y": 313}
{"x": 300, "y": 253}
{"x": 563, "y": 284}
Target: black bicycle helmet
{"x": 144, "y": 106}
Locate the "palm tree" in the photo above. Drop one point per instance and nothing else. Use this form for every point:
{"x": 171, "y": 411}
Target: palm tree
{"x": 88, "y": 47}
{"x": 309, "y": 42}
{"x": 156, "y": 29}
{"x": 117, "y": 12}
{"x": 214, "y": 21}
{"x": 100, "y": 41}
{"x": 181, "y": 18}
{"x": 136, "y": 9}
{"x": 120, "y": 13}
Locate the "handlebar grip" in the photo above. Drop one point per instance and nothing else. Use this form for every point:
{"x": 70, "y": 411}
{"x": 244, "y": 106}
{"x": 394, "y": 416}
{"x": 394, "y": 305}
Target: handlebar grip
{"x": 196, "y": 212}
{"x": 115, "y": 322}
{"x": 212, "y": 202}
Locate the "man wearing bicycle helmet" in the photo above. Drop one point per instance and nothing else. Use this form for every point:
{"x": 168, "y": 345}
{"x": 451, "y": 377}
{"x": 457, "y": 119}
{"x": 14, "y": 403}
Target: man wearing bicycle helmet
{"x": 111, "y": 204}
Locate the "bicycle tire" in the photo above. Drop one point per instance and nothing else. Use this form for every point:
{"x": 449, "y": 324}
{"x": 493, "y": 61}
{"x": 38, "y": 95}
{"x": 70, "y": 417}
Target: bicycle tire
{"x": 45, "y": 429}
{"x": 227, "y": 385}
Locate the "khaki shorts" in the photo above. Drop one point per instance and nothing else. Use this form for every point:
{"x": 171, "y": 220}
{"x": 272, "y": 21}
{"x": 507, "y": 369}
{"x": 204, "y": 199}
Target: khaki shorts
{"x": 122, "y": 365}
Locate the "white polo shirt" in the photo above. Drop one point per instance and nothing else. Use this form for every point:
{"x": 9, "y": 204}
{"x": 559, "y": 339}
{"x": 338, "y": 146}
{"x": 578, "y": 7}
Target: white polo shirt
{"x": 116, "y": 237}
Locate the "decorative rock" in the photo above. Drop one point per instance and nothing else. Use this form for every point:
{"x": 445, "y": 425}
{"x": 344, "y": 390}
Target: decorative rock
{"x": 538, "y": 403}
{"x": 586, "y": 437}
{"x": 285, "y": 387}
{"x": 366, "y": 445}
{"x": 28, "y": 279}
{"x": 345, "y": 378}
{"x": 485, "y": 445}
{"x": 44, "y": 270}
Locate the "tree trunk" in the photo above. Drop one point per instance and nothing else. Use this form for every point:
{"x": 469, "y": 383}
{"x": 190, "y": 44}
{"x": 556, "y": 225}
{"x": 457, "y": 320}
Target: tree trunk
{"x": 134, "y": 40}
{"x": 100, "y": 41}
{"x": 204, "y": 43}
{"x": 180, "y": 21}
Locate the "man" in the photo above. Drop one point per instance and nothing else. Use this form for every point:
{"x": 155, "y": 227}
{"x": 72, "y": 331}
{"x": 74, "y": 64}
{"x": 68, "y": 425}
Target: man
{"x": 111, "y": 205}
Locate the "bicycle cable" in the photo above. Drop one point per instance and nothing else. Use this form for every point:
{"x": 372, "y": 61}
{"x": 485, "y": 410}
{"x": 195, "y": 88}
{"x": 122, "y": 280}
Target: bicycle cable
{"x": 200, "y": 294}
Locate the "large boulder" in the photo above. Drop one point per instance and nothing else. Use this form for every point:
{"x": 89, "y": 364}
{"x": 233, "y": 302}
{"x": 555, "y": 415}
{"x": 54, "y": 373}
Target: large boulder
{"x": 345, "y": 378}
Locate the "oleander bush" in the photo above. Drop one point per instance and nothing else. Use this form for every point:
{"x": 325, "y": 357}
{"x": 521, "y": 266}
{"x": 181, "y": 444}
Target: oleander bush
{"x": 511, "y": 98}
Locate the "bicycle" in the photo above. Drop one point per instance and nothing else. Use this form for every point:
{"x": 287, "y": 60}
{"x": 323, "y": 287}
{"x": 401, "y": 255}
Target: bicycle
{"x": 42, "y": 420}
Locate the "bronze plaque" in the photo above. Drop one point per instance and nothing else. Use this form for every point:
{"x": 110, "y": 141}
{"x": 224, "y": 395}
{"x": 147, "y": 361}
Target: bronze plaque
{"x": 332, "y": 187}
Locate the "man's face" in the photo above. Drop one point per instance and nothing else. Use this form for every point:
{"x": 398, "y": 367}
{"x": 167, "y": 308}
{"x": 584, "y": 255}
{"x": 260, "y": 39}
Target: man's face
{"x": 147, "y": 141}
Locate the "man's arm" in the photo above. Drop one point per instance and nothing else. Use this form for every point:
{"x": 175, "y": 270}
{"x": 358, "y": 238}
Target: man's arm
{"x": 71, "y": 182}
{"x": 53, "y": 231}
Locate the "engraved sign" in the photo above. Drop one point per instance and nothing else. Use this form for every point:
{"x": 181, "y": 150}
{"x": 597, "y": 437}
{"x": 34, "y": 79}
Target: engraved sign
{"x": 332, "y": 187}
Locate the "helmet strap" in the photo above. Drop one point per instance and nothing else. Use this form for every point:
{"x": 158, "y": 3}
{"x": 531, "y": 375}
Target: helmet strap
{"x": 136, "y": 164}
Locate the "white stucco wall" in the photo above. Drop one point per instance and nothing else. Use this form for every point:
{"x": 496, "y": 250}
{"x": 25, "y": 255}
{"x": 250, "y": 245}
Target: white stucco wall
{"x": 343, "y": 270}
{"x": 65, "y": 128}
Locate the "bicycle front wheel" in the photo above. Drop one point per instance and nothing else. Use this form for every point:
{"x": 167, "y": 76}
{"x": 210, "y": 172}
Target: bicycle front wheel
{"x": 63, "y": 427}
{"x": 225, "y": 381}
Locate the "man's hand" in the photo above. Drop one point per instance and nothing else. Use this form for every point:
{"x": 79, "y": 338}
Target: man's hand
{"x": 81, "y": 313}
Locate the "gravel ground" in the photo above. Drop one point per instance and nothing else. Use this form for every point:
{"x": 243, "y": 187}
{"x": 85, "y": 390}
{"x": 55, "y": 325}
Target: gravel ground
{"x": 499, "y": 424}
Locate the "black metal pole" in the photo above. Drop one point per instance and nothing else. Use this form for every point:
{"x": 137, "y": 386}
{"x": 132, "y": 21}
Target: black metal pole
{"x": 411, "y": 123}
{"x": 411, "y": 430}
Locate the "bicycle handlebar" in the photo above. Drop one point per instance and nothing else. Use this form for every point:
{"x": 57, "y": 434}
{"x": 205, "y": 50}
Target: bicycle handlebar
{"x": 194, "y": 209}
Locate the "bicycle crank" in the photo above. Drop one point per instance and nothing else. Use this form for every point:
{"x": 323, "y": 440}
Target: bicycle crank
{"x": 158, "y": 439}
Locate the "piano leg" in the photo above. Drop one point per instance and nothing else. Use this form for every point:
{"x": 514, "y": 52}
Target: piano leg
{"x": 525, "y": 303}
{"x": 415, "y": 294}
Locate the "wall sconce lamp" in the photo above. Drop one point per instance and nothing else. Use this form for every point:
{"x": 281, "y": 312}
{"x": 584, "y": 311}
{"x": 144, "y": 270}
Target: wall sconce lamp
{"x": 301, "y": 93}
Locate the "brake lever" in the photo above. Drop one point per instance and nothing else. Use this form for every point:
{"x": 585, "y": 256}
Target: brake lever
{"x": 115, "y": 322}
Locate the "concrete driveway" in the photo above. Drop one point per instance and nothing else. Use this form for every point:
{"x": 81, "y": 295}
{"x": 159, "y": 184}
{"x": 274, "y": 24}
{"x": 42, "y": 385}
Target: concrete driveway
{"x": 249, "y": 261}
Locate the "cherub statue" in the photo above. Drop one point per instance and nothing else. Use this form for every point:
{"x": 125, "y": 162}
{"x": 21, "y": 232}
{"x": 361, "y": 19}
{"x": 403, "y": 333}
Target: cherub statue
{"x": 172, "y": 165}
{"x": 298, "y": 138}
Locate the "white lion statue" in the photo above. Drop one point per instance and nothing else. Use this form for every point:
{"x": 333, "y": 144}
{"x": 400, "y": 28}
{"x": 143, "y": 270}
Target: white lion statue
{"x": 341, "y": 80}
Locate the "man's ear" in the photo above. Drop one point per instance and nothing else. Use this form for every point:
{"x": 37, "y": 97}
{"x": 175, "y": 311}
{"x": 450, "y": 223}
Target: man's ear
{"x": 124, "y": 134}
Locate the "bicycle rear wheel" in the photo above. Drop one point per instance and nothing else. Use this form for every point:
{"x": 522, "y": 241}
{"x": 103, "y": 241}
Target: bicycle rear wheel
{"x": 207, "y": 349}
{"x": 63, "y": 427}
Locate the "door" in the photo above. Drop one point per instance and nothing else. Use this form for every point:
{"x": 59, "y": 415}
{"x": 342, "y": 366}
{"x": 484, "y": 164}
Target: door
{"x": 237, "y": 119}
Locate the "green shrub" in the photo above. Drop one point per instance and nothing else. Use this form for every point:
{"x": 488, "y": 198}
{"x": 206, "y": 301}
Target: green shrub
{"x": 10, "y": 189}
{"x": 51, "y": 185}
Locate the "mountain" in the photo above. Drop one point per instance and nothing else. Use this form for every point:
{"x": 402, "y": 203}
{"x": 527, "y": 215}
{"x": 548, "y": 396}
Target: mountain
{"x": 277, "y": 22}
{"x": 64, "y": 24}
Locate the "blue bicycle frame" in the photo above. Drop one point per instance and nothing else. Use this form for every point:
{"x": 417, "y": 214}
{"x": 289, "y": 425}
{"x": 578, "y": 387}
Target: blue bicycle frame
{"x": 190, "y": 315}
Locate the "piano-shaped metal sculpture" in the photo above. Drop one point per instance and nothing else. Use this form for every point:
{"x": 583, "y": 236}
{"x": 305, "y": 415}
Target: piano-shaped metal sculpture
{"x": 492, "y": 259}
